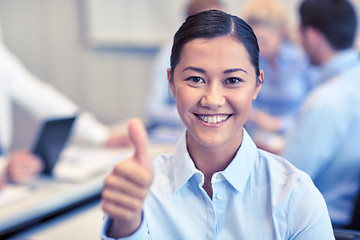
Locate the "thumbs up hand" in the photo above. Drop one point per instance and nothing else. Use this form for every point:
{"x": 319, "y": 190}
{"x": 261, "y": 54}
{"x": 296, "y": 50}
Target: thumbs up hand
{"x": 139, "y": 138}
{"x": 127, "y": 186}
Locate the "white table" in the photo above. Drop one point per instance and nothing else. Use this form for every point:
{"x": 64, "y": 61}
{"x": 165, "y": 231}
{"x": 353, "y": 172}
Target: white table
{"x": 83, "y": 223}
{"x": 47, "y": 197}
{"x": 51, "y": 196}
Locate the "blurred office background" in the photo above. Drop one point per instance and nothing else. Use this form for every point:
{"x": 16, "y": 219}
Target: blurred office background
{"x": 97, "y": 52}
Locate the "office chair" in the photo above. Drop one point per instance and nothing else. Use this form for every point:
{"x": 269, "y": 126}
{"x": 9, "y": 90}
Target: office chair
{"x": 355, "y": 222}
{"x": 346, "y": 234}
{"x": 352, "y": 232}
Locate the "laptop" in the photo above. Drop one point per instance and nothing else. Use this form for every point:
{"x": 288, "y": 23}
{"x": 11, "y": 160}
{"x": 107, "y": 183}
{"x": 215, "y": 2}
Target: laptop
{"x": 51, "y": 139}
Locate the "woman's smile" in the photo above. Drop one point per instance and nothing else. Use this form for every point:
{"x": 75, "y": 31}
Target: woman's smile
{"x": 213, "y": 120}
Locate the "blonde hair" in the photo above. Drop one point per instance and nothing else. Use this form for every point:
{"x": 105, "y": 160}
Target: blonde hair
{"x": 195, "y": 6}
{"x": 265, "y": 10}
{"x": 270, "y": 12}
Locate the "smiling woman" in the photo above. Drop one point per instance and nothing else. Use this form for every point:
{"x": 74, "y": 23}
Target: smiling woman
{"x": 214, "y": 79}
{"x": 216, "y": 184}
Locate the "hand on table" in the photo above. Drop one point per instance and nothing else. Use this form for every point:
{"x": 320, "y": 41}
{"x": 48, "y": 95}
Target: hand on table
{"x": 2, "y": 182}
{"x": 264, "y": 120}
{"x": 127, "y": 186}
{"x": 23, "y": 167}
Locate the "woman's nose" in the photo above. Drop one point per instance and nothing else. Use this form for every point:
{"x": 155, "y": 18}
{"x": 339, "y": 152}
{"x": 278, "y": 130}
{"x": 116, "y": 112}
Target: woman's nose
{"x": 213, "y": 97}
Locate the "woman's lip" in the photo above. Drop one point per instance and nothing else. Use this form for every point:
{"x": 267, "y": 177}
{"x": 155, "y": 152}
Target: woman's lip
{"x": 213, "y": 119}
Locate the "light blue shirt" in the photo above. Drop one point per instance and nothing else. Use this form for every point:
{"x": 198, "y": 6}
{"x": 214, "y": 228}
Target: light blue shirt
{"x": 325, "y": 140}
{"x": 286, "y": 86}
{"x": 258, "y": 196}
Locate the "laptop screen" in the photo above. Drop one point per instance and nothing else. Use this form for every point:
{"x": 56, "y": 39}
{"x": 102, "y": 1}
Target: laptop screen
{"x": 51, "y": 140}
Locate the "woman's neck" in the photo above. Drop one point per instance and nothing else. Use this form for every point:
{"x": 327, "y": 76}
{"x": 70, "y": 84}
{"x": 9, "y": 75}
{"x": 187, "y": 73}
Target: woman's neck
{"x": 210, "y": 160}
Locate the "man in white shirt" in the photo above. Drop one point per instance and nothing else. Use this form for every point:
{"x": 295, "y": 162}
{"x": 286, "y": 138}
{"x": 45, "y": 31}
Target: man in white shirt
{"x": 42, "y": 101}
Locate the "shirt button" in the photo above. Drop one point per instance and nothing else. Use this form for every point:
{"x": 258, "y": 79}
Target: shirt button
{"x": 219, "y": 197}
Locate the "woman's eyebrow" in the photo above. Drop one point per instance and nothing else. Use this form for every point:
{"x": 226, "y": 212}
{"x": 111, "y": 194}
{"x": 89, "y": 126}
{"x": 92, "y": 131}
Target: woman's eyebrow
{"x": 235, "y": 70}
{"x": 200, "y": 70}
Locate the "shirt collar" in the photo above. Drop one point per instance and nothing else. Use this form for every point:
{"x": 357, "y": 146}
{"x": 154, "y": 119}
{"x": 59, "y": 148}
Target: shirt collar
{"x": 239, "y": 170}
{"x": 343, "y": 60}
{"x": 237, "y": 173}
{"x": 183, "y": 166}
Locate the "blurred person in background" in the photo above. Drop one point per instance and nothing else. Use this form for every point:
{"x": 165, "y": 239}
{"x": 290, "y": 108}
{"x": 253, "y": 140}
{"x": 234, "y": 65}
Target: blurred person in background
{"x": 161, "y": 104}
{"x": 18, "y": 85}
{"x": 286, "y": 70}
{"x": 326, "y": 135}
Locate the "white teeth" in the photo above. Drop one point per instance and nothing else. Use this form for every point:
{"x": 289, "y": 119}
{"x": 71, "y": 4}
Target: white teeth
{"x": 213, "y": 119}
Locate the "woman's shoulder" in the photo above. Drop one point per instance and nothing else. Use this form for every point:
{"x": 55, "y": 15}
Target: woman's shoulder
{"x": 281, "y": 170}
{"x": 290, "y": 184}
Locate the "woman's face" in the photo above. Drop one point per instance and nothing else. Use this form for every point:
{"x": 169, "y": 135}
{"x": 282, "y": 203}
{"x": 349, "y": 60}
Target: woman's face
{"x": 214, "y": 85}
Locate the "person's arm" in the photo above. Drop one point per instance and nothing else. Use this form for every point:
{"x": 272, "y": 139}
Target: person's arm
{"x": 34, "y": 95}
{"x": 44, "y": 101}
{"x": 316, "y": 135}
{"x": 265, "y": 121}
{"x": 89, "y": 130}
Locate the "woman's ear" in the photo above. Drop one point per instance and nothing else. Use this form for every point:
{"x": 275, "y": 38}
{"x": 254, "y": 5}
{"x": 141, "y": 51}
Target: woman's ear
{"x": 171, "y": 82}
{"x": 259, "y": 82}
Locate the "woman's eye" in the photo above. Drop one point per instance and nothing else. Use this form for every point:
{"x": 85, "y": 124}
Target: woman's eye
{"x": 232, "y": 81}
{"x": 195, "y": 79}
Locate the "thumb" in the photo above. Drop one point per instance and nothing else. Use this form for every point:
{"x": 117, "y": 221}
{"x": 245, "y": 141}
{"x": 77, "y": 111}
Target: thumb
{"x": 138, "y": 137}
